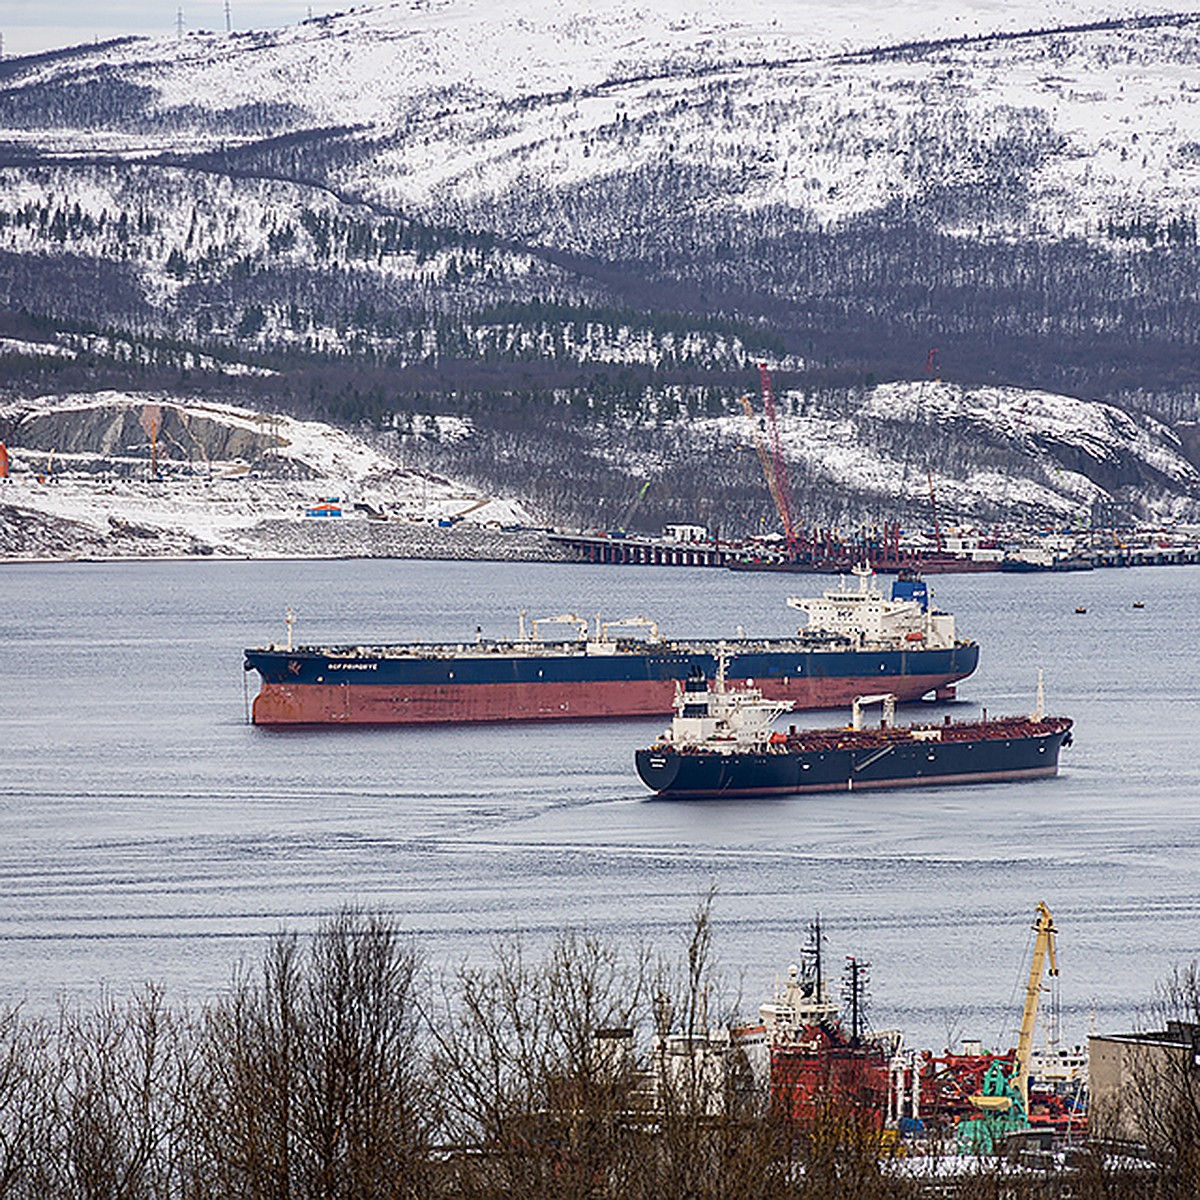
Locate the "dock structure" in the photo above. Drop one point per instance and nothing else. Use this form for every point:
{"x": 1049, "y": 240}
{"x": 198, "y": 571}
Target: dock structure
{"x": 1145, "y": 556}
{"x": 813, "y": 550}
{"x": 644, "y": 551}
{"x": 619, "y": 549}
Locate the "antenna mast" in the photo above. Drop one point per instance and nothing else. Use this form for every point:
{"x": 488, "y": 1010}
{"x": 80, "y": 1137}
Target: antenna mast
{"x": 854, "y": 988}
{"x": 810, "y": 955}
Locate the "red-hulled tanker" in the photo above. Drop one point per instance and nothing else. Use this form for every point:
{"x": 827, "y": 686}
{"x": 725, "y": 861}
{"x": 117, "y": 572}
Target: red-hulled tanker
{"x": 855, "y": 641}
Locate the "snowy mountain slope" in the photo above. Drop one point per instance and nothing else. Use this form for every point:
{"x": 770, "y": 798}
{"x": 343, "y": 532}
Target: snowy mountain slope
{"x": 1073, "y": 132}
{"x": 581, "y": 227}
{"x": 1077, "y": 452}
{"x": 232, "y": 481}
{"x": 1060, "y": 426}
{"x": 988, "y": 454}
{"x": 361, "y": 64}
{"x": 175, "y": 231}
{"x": 456, "y": 104}
{"x": 1023, "y": 458}
{"x": 271, "y": 189}
{"x": 84, "y": 464}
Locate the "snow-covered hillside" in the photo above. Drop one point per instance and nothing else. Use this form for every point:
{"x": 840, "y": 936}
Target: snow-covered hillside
{"x": 129, "y": 474}
{"x": 456, "y": 103}
{"x": 992, "y": 451}
{"x": 444, "y": 156}
{"x": 122, "y": 474}
{"x": 529, "y": 46}
{"x": 580, "y": 227}
{"x": 987, "y": 454}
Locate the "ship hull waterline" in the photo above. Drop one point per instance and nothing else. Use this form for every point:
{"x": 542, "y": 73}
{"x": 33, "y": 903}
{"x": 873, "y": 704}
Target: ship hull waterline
{"x": 358, "y": 702}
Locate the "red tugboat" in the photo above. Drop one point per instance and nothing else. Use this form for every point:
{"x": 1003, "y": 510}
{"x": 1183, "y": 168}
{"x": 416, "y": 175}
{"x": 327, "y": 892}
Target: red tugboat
{"x": 819, "y": 1068}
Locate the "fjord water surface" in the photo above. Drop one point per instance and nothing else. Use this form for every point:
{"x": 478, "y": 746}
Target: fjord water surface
{"x": 150, "y": 834}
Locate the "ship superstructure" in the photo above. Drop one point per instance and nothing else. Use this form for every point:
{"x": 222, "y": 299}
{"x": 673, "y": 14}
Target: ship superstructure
{"x": 864, "y": 616}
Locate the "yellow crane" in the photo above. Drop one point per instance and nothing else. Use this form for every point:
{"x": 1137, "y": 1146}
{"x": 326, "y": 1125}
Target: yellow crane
{"x": 1004, "y": 1101}
{"x": 1043, "y": 945}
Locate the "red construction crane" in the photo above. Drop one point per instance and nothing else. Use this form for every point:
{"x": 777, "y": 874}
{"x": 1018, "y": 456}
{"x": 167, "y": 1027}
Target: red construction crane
{"x": 937, "y": 529}
{"x": 783, "y": 492}
{"x": 764, "y": 455}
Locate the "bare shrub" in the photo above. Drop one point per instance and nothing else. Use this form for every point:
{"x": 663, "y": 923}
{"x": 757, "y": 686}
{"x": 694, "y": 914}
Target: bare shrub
{"x": 313, "y": 1078}
{"x": 118, "y": 1093}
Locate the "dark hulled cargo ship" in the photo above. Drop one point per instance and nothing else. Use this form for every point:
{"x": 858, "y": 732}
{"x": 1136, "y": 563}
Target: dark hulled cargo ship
{"x": 722, "y": 744}
{"x": 855, "y": 640}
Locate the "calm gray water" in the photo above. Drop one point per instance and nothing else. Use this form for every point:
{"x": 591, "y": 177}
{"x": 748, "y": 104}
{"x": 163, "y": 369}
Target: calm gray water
{"x": 149, "y": 833}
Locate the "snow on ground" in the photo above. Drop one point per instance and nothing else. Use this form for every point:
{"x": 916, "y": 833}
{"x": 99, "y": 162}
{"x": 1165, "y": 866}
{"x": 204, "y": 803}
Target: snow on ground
{"x": 837, "y": 137}
{"x": 368, "y": 59}
{"x": 40, "y": 349}
{"x": 1100, "y": 430}
{"x": 836, "y": 443}
{"x": 472, "y": 100}
{"x": 225, "y": 513}
{"x": 233, "y": 481}
{"x": 225, "y": 504}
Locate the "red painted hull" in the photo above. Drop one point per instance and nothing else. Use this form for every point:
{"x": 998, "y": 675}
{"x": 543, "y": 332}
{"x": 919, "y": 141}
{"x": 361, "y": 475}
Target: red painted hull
{"x": 368, "y": 704}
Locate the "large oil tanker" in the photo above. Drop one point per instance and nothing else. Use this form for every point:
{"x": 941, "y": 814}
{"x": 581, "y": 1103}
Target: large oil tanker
{"x": 722, "y": 743}
{"x": 856, "y": 640}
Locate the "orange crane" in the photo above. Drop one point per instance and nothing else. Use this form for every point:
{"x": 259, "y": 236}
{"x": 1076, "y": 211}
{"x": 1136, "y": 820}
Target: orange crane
{"x": 773, "y": 465}
{"x": 764, "y": 455}
{"x": 784, "y": 503}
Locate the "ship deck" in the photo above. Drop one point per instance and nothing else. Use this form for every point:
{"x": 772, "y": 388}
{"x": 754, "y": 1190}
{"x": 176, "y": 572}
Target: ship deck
{"x": 809, "y": 741}
{"x": 581, "y": 648}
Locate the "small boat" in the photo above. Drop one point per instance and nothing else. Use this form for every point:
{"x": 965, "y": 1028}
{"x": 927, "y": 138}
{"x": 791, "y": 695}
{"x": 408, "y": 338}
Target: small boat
{"x": 1139, "y": 604}
{"x": 722, "y": 743}
{"x": 1079, "y": 608}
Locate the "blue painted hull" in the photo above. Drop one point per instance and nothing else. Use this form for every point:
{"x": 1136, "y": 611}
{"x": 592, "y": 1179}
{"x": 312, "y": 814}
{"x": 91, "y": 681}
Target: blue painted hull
{"x": 497, "y": 682}
{"x": 995, "y": 752}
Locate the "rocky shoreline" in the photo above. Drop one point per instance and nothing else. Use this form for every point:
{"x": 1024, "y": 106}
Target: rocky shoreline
{"x": 399, "y": 539}
{"x": 27, "y": 535}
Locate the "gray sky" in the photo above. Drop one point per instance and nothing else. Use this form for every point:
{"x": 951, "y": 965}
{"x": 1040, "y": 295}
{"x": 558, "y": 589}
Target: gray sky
{"x": 29, "y": 26}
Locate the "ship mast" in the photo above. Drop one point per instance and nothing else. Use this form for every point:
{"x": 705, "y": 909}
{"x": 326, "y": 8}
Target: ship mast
{"x": 855, "y": 990}
{"x": 812, "y": 956}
